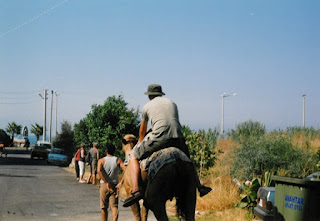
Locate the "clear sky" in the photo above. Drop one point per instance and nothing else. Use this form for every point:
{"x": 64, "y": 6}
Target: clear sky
{"x": 266, "y": 51}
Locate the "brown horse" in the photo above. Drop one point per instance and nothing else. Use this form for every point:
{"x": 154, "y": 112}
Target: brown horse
{"x": 175, "y": 179}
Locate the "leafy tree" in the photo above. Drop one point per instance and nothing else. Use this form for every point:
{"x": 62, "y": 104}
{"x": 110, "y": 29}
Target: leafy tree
{"x": 37, "y": 130}
{"x": 107, "y": 123}
{"x": 4, "y": 138}
{"x": 13, "y": 128}
{"x": 64, "y": 140}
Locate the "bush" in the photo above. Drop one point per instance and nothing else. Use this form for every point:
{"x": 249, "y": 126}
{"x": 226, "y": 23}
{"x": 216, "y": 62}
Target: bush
{"x": 247, "y": 130}
{"x": 201, "y": 146}
{"x": 258, "y": 155}
{"x": 309, "y": 132}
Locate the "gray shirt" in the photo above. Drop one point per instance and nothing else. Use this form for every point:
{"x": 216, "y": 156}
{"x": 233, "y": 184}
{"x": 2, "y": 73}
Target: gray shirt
{"x": 164, "y": 118}
{"x": 93, "y": 153}
{"x": 112, "y": 170}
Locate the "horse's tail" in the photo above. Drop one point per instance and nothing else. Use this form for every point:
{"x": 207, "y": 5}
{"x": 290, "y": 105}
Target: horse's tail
{"x": 185, "y": 190}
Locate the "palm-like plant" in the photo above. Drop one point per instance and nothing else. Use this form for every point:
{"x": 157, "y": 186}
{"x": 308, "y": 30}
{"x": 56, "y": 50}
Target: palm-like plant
{"x": 13, "y": 128}
{"x": 37, "y": 130}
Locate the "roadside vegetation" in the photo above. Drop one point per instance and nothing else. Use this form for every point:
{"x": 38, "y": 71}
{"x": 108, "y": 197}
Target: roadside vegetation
{"x": 247, "y": 153}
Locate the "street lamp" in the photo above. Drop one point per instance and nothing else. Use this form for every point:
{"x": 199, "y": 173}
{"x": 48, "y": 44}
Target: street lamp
{"x": 44, "y": 97}
{"x": 304, "y": 110}
{"x": 50, "y": 127}
{"x": 56, "y": 93}
{"x": 222, "y": 112}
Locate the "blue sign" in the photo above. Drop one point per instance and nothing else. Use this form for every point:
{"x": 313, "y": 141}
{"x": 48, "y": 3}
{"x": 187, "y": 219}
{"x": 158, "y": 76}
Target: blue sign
{"x": 294, "y": 203}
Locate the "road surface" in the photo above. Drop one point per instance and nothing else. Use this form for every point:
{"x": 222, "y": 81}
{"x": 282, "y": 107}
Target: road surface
{"x": 33, "y": 190}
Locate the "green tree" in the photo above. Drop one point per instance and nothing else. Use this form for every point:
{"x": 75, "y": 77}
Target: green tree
{"x": 13, "y": 128}
{"x": 37, "y": 130}
{"x": 64, "y": 140}
{"x": 107, "y": 123}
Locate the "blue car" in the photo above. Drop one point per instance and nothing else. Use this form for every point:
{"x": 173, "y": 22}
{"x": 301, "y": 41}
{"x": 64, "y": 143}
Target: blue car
{"x": 57, "y": 157}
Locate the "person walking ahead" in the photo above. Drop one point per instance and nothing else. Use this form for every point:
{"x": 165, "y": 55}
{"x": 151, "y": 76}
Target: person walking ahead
{"x": 108, "y": 170}
{"x": 81, "y": 163}
{"x": 94, "y": 156}
{"x": 166, "y": 132}
{"x": 76, "y": 163}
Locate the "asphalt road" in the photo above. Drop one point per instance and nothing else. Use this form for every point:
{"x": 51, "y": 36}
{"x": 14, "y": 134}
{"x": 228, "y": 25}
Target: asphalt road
{"x": 33, "y": 190}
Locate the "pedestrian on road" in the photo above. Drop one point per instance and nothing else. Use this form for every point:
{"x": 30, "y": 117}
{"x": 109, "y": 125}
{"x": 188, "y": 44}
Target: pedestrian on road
{"x": 94, "y": 156}
{"x": 108, "y": 170}
{"x": 76, "y": 163}
{"x": 82, "y": 163}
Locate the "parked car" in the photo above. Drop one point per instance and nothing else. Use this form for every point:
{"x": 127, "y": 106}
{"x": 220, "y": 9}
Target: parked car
{"x": 57, "y": 157}
{"x": 265, "y": 208}
{"x": 39, "y": 152}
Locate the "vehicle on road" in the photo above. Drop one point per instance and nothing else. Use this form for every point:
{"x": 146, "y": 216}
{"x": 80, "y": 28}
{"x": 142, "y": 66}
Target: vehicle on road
{"x": 57, "y": 157}
{"x": 39, "y": 152}
{"x": 265, "y": 208}
{"x": 44, "y": 144}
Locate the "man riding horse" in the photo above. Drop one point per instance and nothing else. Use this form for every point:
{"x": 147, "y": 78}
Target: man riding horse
{"x": 166, "y": 132}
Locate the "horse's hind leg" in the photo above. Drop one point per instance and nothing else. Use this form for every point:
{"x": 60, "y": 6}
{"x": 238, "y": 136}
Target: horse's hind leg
{"x": 190, "y": 208}
{"x": 156, "y": 201}
{"x": 157, "y": 192}
{"x": 186, "y": 201}
{"x": 160, "y": 212}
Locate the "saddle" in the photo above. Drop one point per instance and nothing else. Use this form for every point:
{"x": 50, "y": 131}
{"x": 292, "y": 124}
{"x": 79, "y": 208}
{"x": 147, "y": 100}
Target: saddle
{"x": 158, "y": 159}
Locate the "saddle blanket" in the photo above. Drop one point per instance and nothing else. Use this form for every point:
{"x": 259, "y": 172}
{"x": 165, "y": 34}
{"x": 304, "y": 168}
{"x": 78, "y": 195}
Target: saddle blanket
{"x": 158, "y": 159}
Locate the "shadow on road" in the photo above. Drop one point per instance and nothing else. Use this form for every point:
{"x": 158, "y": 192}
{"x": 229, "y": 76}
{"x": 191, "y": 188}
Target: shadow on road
{"x": 8, "y": 175}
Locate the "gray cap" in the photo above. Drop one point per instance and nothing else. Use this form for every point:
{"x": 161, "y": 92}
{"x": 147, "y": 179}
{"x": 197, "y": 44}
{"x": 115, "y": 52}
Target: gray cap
{"x": 154, "y": 89}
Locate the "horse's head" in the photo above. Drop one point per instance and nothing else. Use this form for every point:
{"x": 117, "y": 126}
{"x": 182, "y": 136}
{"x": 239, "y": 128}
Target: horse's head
{"x": 128, "y": 142}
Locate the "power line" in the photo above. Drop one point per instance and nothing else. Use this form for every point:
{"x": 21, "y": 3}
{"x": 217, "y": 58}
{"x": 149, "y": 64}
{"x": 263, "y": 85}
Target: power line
{"x": 29, "y": 102}
{"x": 32, "y": 19}
{"x": 19, "y": 92}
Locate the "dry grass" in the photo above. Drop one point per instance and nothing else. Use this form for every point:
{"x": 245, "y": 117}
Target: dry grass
{"x": 224, "y": 194}
{"x": 307, "y": 144}
{"x": 219, "y": 203}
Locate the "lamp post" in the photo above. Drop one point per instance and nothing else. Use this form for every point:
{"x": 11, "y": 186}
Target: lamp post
{"x": 44, "y": 97}
{"x": 56, "y": 93}
{"x": 222, "y": 112}
{"x": 50, "y": 127}
{"x": 304, "y": 110}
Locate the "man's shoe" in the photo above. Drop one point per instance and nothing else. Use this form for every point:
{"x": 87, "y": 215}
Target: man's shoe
{"x": 135, "y": 197}
{"x": 203, "y": 190}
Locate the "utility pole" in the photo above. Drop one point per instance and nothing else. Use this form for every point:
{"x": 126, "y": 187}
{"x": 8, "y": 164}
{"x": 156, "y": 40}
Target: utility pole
{"x": 44, "y": 97}
{"x": 304, "y": 110}
{"x": 56, "y": 112}
{"x": 50, "y": 127}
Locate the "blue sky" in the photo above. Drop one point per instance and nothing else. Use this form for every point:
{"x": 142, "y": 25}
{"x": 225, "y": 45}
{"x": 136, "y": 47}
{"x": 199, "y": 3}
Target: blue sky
{"x": 266, "y": 51}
